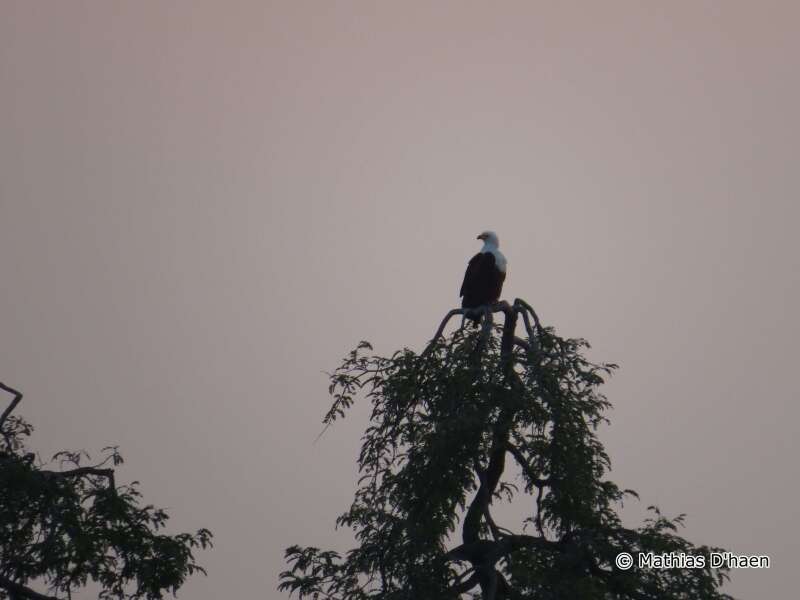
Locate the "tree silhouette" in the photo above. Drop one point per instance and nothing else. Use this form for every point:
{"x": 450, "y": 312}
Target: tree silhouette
{"x": 62, "y": 528}
{"x": 445, "y": 425}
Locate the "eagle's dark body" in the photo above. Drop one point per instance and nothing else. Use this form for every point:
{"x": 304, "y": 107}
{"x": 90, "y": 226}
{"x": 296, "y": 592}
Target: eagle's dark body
{"x": 483, "y": 280}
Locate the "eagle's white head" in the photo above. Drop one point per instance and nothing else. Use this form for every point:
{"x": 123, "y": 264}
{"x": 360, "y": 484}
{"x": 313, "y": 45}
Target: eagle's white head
{"x": 490, "y": 240}
{"x": 490, "y": 244}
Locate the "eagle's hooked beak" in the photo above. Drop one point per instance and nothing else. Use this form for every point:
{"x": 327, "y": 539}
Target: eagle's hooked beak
{"x": 481, "y": 237}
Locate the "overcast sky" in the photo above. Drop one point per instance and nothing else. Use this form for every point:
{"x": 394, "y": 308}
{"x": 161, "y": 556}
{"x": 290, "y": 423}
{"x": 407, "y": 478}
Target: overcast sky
{"x": 205, "y": 205}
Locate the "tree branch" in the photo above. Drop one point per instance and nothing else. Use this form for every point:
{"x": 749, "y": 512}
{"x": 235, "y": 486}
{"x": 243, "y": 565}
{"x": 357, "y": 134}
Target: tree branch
{"x": 9, "y": 409}
{"x": 529, "y": 541}
{"x": 20, "y": 590}
{"x": 501, "y": 306}
{"x": 522, "y": 344}
{"x": 438, "y": 334}
{"x": 83, "y": 472}
{"x": 522, "y": 462}
{"x": 481, "y": 551}
{"x": 496, "y": 533}
{"x": 17, "y": 397}
{"x": 489, "y": 479}
{"x": 527, "y": 307}
{"x": 464, "y": 586}
{"x": 507, "y": 341}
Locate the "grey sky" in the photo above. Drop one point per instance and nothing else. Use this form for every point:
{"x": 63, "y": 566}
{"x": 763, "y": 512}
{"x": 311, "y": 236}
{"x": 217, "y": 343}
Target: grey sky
{"x": 203, "y": 206}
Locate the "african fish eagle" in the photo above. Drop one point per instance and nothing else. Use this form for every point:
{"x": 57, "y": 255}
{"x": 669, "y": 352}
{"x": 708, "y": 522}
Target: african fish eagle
{"x": 485, "y": 275}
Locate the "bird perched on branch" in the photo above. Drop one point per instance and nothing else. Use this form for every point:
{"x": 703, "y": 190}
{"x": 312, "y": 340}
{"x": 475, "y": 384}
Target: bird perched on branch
{"x": 485, "y": 275}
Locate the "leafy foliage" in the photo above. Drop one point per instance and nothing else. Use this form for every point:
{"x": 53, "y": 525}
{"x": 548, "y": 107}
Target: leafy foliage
{"x": 66, "y": 527}
{"x": 443, "y": 424}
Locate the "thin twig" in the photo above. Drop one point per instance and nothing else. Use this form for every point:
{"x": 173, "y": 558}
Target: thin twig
{"x": 14, "y": 402}
{"x": 522, "y": 462}
{"x": 8, "y": 410}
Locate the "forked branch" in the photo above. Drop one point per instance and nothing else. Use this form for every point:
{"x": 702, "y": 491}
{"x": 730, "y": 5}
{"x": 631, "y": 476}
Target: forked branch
{"x": 16, "y": 400}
